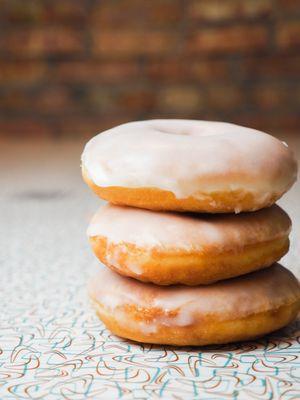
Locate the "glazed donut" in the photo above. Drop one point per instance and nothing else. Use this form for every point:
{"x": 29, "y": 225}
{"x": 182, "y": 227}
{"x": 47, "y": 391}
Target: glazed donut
{"x": 168, "y": 248}
{"x": 186, "y": 165}
{"x": 240, "y": 308}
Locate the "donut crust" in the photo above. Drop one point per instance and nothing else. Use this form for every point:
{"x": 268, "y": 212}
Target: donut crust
{"x": 211, "y": 330}
{"x": 241, "y": 308}
{"x": 166, "y": 267}
{"x": 188, "y": 165}
{"x": 162, "y": 200}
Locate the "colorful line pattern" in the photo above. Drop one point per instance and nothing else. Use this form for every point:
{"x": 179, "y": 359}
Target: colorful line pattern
{"x": 52, "y": 346}
{"x": 56, "y": 352}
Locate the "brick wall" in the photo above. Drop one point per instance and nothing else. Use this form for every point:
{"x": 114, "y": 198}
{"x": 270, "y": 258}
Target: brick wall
{"x": 75, "y": 67}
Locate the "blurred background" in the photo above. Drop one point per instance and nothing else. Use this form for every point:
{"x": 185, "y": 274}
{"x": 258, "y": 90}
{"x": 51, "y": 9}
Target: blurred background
{"x": 71, "y": 68}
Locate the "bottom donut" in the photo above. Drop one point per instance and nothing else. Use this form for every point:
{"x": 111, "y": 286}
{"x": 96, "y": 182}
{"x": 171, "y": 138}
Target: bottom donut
{"x": 237, "y": 309}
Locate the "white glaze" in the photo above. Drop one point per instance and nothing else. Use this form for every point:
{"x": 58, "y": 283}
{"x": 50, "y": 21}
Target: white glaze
{"x": 150, "y": 229}
{"x": 190, "y": 158}
{"x": 234, "y": 298}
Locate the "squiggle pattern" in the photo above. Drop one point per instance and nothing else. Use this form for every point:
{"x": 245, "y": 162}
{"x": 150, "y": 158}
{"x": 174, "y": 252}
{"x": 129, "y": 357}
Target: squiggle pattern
{"x": 52, "y": 346}
{"x": 69, "y": 354}
{"x": 72, "y": 356}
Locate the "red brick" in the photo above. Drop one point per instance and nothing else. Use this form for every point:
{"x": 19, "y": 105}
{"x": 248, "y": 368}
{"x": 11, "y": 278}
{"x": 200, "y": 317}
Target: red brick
{"x": 31, "y": 42}
{"x": 20, "y": 11}
{"x": 216, "y": 10}
{"x": 86, "y": 126}
{"x": 288, "y": 35}
{"x": 209, "y": 70}
{"x": 54, "y": 100}
{"x": 163, "y": 11}
{"x": 289, "y": 6}
{"x": 167, "y": 58}
{"x": 229, "y": 39}
{"x": 107, "y": 100}
{"x": 141, "y": 100}
{"x": 275, "y": 96}
{"x": 127, "y": 13}
{"x": 276, "y": 66}
{"x": 273, "y": 123}
{"x": 33, "y": 11}
{"x": 25, "y": 73}
{"x": 225, "y": 97}
{"x": 96, "y": 71}
{"x": 133, "y": 43}
{"x": 70, "y": 11}
{"x": 174, "y": 70}
{"x": 44, "y": 100}
{"x": 167, "y": 70}
{"x": 14, "y": 99}
{"x": 180, "y": 98}
{"x": 24, "y": 127}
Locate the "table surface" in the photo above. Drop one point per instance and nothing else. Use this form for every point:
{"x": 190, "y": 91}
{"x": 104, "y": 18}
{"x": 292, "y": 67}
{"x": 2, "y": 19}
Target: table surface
{"x": 51, "y": 343}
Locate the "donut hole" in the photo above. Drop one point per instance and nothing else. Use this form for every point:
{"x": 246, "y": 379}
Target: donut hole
{"x": 191, "y": 131}
{"x": 181, "y": 133}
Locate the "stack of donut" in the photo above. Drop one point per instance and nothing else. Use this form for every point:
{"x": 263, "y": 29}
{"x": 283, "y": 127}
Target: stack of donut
{"x": 191, "y": 234}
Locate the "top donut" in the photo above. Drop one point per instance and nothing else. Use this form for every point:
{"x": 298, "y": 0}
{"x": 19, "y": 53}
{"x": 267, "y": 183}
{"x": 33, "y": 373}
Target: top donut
{"x": 188, "y": 165}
